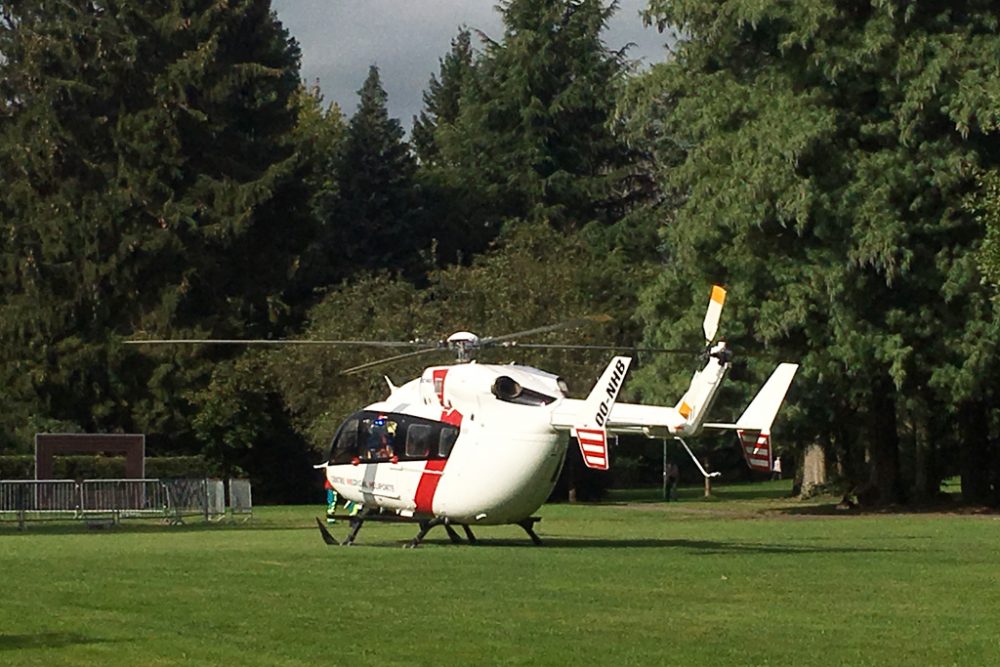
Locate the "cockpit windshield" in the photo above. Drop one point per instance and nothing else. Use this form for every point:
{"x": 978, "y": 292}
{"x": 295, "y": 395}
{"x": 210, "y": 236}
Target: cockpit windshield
{"x": 368, "y": 437}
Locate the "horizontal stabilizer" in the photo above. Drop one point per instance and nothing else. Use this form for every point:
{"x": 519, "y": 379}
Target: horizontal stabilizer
{"x": 593, "y": 447}
{"x": 756, "y": 448}
{"x": 761, "y": 412}
{"x": 754, "y": 425}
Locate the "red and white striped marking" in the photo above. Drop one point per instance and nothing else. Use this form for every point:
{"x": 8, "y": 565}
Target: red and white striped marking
{"x": 427, "y": 486}
{"x": 756, "y": 448}
{"x": 593, "y": 447}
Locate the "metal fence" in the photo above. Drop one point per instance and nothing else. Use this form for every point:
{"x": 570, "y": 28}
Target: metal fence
{"x": 240, "y": 498}
{"x": 116, "y": 499}
{"x": 52, "y": 499}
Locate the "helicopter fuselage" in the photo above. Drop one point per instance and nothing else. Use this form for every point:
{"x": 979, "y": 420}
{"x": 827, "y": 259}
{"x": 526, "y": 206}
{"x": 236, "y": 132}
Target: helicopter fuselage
{"x": 470, "y": 443}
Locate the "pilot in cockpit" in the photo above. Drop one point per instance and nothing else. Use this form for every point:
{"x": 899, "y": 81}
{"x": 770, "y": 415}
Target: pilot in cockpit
{"x": 381, "y": 439}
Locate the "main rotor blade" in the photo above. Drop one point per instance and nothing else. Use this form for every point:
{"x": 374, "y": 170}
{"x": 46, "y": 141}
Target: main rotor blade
{"x": 569, "y": 324}
{"x": 388, "y": 360}
{"x": 557, "y": 346}
{"x": 265, "y": 341}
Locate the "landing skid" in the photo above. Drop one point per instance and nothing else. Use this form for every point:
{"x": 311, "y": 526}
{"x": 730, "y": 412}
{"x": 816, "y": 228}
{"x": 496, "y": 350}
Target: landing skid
{"x": 426, "y": 525}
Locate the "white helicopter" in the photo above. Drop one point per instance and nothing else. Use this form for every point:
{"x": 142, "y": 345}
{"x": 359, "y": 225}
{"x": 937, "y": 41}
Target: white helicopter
{"x": 472, "y": 444}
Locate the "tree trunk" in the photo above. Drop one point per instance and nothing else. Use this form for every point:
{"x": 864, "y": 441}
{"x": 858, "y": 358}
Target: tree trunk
{"x": 883, "y": 449}
{"x": 975, "y": 458}
{"x": 926, "y": 482}
{"x": 813, "y": 468}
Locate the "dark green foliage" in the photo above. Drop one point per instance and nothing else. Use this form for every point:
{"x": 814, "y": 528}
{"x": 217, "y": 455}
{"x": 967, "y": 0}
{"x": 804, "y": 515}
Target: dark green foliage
{"x": 319, "y": 137}
{"x": 245, "y": 431}
{"x": 18, "y": 466}
{"x": 985, "y": 205}
{"x": 108, "y": 467}
{"x": 442, "y": 99}
{"x": 377, "y": 222}
{"x": 452, "y": 203}
{"x": 533, "y": 135}
{"x": 826, "y": 151}
{"x": 148, "y": 165}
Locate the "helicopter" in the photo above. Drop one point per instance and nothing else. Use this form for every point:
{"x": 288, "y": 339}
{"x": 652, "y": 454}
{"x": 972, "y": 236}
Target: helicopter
{"x": 472, "y": 444}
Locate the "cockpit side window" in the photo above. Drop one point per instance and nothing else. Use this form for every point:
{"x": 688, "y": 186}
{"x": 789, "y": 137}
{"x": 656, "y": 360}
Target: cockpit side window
{"x": 345, "y": 444}
{"x": 419, "y": 438}
{"x": 371, "y": 437}
{"x": 446, "y": 441}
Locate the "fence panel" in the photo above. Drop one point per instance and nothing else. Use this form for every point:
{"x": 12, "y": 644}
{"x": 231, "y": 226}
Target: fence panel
{"x": 34, "y": 500}
{"x": 240, "y": 498}
{"x": 193, "y": 497}
{"x": 124, "y": 498}
{"x": 28, "y": 500}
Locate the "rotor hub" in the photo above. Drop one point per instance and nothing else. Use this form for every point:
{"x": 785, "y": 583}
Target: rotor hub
{"x": 464, "y": 344}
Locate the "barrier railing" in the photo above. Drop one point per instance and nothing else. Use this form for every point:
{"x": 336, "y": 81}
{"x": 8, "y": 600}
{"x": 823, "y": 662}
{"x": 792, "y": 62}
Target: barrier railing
{"x": 240, "y": 498}
{"x": 116, "y": 499}
{"x": 124, "y": 498}
{"x": 37, "y": 500}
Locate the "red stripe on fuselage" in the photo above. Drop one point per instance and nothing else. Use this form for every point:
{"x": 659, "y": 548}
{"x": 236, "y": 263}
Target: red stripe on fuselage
{"x": 452, "y": 417}
{"x": 427, "y": 486}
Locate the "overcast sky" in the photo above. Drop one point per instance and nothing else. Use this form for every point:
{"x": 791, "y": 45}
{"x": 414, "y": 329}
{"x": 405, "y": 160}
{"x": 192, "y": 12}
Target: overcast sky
{"x": 406, "y": 38}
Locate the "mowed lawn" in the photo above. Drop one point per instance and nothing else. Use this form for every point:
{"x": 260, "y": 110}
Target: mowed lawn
{"x": 748, "y": 579}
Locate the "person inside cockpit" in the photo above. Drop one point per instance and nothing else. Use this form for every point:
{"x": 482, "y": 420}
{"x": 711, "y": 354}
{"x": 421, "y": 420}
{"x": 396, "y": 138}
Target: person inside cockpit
{"x": 381, "y": 439}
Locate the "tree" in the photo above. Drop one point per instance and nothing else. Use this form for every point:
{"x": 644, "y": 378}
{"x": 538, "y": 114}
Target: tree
{"x": 452, "y": 202}
{"x": 985, "y": 204}
{"x": 533, "y": 134}
{"x": 442, "y": 99}
{"x": 380, "y": 224}
{"x": 148, "y": 165}
{"x": 319, "y": 136}
{"x": 826, "y": 153}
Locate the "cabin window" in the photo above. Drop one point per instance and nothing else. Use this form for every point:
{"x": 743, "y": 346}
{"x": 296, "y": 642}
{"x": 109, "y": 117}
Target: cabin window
{"x": 419, "y": 438}
{"x": 446, "y": 441}
{"x": 345, "y": 444}
{"x": 379, "y": 433}
{"x": 369, "y": 437}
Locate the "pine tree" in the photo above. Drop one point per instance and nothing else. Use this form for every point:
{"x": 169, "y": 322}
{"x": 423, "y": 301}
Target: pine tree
{"x": 380, "y": 225}
{"x": 442, "y": 99}
{"x": 150, "y": 186}
{"x": 533, "y": 136}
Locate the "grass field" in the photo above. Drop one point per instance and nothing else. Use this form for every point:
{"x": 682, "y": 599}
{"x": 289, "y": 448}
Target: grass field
{"x": 750, "y": 578}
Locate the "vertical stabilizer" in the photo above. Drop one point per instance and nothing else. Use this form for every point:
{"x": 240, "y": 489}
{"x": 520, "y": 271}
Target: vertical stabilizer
{"x": 762, "y": 410}
{"x": 591, "y": 432}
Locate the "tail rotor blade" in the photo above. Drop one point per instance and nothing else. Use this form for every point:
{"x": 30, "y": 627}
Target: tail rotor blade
{"x": 714, "y": 312}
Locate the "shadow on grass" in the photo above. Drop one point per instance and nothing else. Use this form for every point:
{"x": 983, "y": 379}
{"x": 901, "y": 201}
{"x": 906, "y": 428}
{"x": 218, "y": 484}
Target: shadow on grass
{"x": 701, "y": 547}
{"x": 131, "y": 527}
{"x": 944, "y": 506}
{"x": 46, "y": 640}
{"x": 776, "y": 490}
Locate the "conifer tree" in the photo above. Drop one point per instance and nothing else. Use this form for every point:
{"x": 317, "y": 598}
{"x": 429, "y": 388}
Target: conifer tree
{"x": 151, "y": 187}
{"x": 380, "y": 224}
{"x": 826, "y": 155}
{"x": 533, "y": 136}
{"x": 442, "y": 99}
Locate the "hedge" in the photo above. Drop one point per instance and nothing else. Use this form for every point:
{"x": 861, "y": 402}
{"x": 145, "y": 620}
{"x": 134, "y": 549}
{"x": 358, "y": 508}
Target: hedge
{"x": 108, "y": 467}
